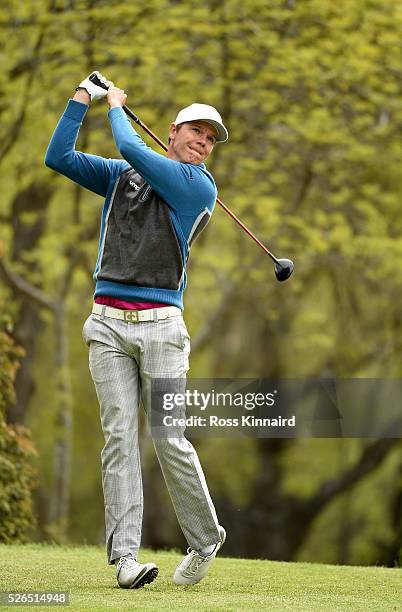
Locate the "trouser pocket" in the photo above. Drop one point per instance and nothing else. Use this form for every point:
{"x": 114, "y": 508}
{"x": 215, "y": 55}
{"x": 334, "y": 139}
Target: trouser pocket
{"x": 85, "y": 330}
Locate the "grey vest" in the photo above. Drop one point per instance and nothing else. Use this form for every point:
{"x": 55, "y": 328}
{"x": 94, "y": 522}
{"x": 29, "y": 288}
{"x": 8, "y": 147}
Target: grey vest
{"x": 140, "y": 243}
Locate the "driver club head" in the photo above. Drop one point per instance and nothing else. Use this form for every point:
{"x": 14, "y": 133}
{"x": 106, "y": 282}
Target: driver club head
{"x": 283, "y": 269}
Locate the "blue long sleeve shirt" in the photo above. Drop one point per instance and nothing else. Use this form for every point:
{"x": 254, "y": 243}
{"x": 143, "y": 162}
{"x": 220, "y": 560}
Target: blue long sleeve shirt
{"x": 154, "y": 208}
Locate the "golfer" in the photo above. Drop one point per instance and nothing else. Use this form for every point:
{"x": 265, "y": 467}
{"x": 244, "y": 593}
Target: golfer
{"x": 155, "y": 207}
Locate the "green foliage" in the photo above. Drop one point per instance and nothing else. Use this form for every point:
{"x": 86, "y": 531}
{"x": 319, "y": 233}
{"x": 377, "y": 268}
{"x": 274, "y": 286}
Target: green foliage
{"x": 17, "y": 475}
{"x": 17, "y": 479}
{"x": 9, "y": 360}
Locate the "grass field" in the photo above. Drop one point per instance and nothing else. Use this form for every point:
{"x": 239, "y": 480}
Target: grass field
{"x": 232, "y": 584}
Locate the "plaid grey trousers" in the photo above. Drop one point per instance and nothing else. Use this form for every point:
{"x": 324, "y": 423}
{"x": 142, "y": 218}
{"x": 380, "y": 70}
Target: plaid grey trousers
{"x": 123, "y": 359}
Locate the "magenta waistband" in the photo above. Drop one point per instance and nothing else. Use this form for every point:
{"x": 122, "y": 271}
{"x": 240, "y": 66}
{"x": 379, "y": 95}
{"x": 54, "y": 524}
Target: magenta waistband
{"x": 108, "y": 300}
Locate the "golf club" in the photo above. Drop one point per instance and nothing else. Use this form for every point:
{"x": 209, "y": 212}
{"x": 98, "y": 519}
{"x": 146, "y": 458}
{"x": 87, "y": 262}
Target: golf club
{"x": 283, "y": 267}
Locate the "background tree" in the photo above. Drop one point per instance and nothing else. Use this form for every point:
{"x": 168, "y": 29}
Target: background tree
{"x": 311, "y": 95}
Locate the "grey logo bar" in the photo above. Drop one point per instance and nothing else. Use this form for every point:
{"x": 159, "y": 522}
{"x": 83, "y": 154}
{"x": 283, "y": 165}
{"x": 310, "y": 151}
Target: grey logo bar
{"x": 285, "y": 408}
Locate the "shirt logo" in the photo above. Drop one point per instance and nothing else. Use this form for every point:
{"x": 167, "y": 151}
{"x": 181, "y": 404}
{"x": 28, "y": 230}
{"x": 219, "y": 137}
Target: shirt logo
{"x": 136, "y": 187}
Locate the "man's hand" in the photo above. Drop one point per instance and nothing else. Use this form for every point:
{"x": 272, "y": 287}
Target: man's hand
{"x": 94, "y": 91}
{"x": 116, "y": 96}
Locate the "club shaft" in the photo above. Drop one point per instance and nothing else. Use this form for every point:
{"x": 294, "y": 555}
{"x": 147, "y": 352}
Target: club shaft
{"x": 150, "y": 133}
{"x": 146, "y": 129}
{"x": 233, "y": 216}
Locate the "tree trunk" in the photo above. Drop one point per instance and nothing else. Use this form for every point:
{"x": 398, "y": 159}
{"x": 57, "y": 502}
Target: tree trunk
{"x": 59, "y": 504}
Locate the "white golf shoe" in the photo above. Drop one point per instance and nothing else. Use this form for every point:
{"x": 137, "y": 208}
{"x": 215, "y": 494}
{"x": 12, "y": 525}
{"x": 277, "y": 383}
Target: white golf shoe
{"x": 194, "y": 566}
{"x": 132, "y": 575}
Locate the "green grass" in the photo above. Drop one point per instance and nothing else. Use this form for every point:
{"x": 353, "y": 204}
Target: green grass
{"x": 232, "y": 584}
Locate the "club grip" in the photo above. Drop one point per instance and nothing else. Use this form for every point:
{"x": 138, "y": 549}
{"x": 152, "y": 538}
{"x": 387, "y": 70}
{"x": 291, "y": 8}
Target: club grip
{"x": 96, "y": 81}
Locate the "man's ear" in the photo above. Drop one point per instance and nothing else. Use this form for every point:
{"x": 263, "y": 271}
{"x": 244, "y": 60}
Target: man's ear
{"x": 172, "y": 131}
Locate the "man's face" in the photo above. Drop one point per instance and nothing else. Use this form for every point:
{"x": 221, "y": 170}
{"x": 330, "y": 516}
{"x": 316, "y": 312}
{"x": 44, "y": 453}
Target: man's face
{"x": 191, "y": 142}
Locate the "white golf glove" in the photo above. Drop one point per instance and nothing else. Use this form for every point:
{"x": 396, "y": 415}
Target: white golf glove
{"x": 95, "y": 92}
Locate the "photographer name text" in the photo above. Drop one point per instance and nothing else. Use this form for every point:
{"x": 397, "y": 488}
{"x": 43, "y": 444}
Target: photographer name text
{"x": 215, "y": 421}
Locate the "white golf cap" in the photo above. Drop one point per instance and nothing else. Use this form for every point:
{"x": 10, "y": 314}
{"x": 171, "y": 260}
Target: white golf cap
{"x": 203, "y": 112}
